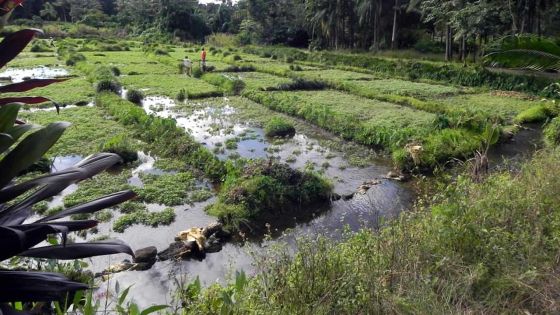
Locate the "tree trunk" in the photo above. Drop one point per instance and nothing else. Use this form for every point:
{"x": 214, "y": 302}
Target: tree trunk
{"x": 395, "y": 21}
{"x": 464, "y": 50}
{"x": 448, "y": 44}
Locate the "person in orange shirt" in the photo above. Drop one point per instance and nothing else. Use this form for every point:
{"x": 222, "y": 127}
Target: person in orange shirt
{"x": 203, "y": 59}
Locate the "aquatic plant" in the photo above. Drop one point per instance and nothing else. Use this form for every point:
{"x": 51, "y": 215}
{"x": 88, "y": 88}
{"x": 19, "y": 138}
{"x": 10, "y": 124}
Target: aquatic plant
{"x": 122, "y": 146}
{"x": 278, "y": 127}
{"x": 135, "y": 96}
{"x": 108, "y": 86}
{"x": 259, "y": 188}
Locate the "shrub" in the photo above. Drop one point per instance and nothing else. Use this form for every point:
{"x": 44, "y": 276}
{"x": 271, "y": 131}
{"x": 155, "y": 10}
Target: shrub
{"x": 552, "y": 132}
{"x": 302, "y": 85}
{"x": 121, "y": 145}
{"x": 243, "y": 68}
{"x": 259, "y": 188}
{"x": 537, "y": 113}
{"x": 236, "y": 58}
{"x": 230, "y": 84}
{"x": 40, "y": 46}
{"x": 278, "y": 127}
{"x": 108, "y": 86}
{"x": 197, "y": 72}
{"x": 182, "y": 95}
{"x": 116, "y": 71}
{"x": 74, "y": 58}
{"x": 135, "y": 96}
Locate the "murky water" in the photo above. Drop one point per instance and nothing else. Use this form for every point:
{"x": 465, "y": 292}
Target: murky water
{"x": 213, "y": 127}
{"x": 15, "y": 75}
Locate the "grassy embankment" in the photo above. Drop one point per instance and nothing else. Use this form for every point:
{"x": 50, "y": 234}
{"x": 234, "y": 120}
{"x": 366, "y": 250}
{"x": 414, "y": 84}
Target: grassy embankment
{"x": 489, "y": 247}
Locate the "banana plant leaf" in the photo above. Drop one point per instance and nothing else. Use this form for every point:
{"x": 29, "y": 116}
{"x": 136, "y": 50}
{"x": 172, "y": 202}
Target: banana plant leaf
{"x": 28, "y": 85}
{"x": 29, "y": 151}
{"x": 79, "y": 250}
{"x": 25, "y": 286}
{"x": 8, "y": 116}
{"x": 93, "y": 206}
{"x": 14, "y": 43}
{"x": 24, "y": 100}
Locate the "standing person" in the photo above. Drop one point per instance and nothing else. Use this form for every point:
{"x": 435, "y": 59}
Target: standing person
{"x": 187, "y": 64}
{"x": 203, "y": 59}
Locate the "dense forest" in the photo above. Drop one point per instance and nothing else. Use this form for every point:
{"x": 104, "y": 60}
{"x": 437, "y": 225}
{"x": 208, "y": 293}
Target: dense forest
{"x": 429, "y": 25}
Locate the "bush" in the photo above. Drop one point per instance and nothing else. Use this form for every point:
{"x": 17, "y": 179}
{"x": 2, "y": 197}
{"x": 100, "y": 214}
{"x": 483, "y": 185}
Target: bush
{"x": 40, "y": 46}
{"x": 182, "y": 95}
{"x": 74, "y": 58}
{"x": 108, "y": 86}
{"x": 230, "y": 84}
{"x": 121, "y": 145}
{"x": 302, "y": 85}
{"x": 278, "y": 127}
{"x": 116, "y": 71}
{"x": 135, "y": 96}
{"x": 257, "y": 189}
{"x": 537, "y": 113}
{"x": 197, "y": 72}
{"x": 552, "y": 132}
{"x": 244, "y": 68}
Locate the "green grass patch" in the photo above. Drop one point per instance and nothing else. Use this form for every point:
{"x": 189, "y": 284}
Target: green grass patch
{"x": 90, "y": 129}
{"x": 170, "y": 85}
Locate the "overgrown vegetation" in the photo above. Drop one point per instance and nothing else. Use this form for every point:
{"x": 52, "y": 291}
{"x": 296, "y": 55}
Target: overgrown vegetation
{"x": 255, "y": 191}
{"x": 481, "y": 252}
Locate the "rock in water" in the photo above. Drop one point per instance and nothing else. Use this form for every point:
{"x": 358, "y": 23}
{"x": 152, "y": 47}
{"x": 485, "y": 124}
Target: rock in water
{"x": 146, "y": 255}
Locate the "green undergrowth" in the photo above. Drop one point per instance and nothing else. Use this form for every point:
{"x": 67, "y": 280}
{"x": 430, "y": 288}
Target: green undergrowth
{"x": 489, "y": 247}
{"x": 258, "y": 190}
{"x": 163, "y": 136}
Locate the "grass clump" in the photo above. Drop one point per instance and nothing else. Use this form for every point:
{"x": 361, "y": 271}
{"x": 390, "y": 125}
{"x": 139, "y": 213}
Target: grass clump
{"x": 182, "y": 95}
{"x": 40, "y": 46}
{"x": 153, "y": 219}
{"x": 279, "y": 127}
{"x": 229, "y": 84}
{"x": 259, "y": 189}
{"x": 302, "y": 85}
{"x": 122, "y": 145}
{"x": 135, "y": 96}
{"x": 108, "y": 86}
{"x": 242, "y": 68}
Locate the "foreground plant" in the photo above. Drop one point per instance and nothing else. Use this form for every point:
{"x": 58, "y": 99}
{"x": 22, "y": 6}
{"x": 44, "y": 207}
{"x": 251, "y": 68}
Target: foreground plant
{"x": 17, "y": 199}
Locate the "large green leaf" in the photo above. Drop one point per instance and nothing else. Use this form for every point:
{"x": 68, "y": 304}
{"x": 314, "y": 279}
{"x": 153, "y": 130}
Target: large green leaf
{"x": 8, "y": 116}
{"x": 5, "y": 141}
{"x": 29, "y": 151}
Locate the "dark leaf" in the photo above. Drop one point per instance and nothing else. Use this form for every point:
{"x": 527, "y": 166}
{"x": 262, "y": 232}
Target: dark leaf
{"x": 14, "y": 43}
{"x": 68, "y": 176}
{"x": 35, "y": 286}
{"x": 24, "y": 100}
{"x": 28, "y": 85}
{"x": 79, "y": 250}
{"x": 5, "y": 142}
